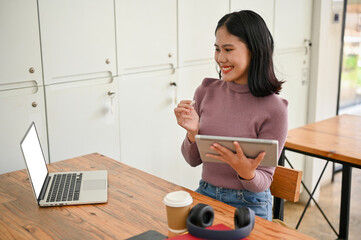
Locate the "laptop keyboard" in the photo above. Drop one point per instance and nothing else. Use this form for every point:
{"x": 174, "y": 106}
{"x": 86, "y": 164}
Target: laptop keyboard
{"x": 65, "y": 187}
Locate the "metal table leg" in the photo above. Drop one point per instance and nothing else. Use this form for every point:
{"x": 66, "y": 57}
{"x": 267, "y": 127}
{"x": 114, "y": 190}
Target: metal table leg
{"x": 345, "y": 202}
{"x": 278, "y": 203}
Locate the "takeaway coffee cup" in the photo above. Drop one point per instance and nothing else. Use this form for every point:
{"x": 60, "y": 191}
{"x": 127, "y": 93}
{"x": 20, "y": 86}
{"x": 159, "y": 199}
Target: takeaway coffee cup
{"x": 178, "y": 205}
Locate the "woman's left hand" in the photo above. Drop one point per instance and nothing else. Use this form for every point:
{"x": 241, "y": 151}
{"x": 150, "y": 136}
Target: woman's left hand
{"x": 245, "y": 167}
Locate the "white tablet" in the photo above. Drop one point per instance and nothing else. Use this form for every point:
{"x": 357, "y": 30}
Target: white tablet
{"x": 251, "y": 148}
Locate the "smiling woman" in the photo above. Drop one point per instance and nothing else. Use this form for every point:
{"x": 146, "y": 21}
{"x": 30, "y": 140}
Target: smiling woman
{"x": 242, "y": 103}
{"x": 232, "y": 56}
{"x": 247, "y": 29}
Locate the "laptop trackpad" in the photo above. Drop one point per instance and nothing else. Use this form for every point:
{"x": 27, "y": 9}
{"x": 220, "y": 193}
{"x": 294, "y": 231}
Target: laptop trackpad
{"x": 94, "y": 184}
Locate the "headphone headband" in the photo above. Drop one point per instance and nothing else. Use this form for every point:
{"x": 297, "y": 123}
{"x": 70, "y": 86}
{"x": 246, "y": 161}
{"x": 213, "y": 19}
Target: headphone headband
{"x": 197, "y": 216}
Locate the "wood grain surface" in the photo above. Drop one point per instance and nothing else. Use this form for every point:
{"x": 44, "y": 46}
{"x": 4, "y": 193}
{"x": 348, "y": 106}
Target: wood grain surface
{"x": 286, "y": 183}
{"x": 135, "y": 205}
{"x": 338, "y": 138}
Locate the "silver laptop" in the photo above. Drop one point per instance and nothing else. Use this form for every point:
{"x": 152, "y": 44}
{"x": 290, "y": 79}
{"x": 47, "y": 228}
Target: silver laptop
{"x": 63, "y": 188}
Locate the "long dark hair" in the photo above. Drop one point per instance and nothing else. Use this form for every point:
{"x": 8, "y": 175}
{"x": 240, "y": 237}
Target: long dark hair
{"x": 251, "y": 29}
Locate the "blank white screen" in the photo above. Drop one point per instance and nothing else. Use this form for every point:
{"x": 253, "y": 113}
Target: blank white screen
{"x": 34, "y": 159}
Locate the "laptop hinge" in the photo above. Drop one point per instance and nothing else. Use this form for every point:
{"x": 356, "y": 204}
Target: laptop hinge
{"x": 43, "y": 189}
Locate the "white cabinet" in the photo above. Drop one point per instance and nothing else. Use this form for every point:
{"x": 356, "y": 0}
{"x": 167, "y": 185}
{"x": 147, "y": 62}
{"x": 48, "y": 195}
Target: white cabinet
{"x": 196, "y": 29}
{"x": 292, "y": 23}
{"x": 265, "y": 8}
{"x": 21, "y": 91}
{"x": 78, "y": 39}
{"x": 20, "y": 107}
{"x": 83, "y": 118}
{"x": 79, "y": 61}
{"x": 292, "y": 55}
{"x": 149, "y": 133}
{"x": 20, "y": 60}
{"x": 146, "y": 35}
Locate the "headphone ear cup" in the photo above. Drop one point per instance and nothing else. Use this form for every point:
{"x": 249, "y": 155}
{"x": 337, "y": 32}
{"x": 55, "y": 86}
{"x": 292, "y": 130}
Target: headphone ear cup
{"x": 242, "y": 217}
{"x": 201, "y": 215}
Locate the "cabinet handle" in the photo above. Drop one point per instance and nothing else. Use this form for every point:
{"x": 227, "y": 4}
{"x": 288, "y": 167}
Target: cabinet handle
{"x": 111, "y": 104}
{"x": 107, "y": 61}
{"x": 308, "y": 45}
{"x": 34, "y": 104}
{"x": 174, "y": 92}
{"x": 31, "y": 70}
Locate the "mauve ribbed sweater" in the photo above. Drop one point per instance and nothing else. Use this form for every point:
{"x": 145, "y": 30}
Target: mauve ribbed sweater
{"x": 229, "y": 109}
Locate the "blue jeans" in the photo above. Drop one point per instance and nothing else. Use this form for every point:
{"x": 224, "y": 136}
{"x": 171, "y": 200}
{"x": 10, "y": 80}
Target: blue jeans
{"x": 260, "y": 203}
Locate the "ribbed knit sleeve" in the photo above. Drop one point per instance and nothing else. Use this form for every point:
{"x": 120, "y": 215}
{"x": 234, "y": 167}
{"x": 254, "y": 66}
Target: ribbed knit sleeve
{"x": 190, "y": 153}
{"x": 190, "y": 150}
{"x": 262, "y": 180}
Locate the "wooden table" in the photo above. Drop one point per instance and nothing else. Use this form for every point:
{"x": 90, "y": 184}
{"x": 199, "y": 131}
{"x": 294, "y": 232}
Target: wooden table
{"x": 135, "y": 205}
{"x": 337, "y": 139}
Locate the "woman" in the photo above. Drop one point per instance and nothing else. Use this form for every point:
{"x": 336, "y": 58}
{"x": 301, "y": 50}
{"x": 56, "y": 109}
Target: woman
{"x": 242, "y": 103}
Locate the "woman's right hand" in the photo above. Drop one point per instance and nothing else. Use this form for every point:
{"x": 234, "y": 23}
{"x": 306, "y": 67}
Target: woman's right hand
{"x": 187, "y": 118}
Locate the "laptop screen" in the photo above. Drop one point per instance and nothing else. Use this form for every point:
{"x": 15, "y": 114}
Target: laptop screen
{"x": 34, "y": 159}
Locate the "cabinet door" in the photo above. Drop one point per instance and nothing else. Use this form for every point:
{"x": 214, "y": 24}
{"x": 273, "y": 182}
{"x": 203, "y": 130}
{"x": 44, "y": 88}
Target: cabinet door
{"x": 189, "y": 78}
{"x": 292, "y": 55}
{"x": 146, "y": 35}
{"x": 196, "y": 29}
{"x": 83, "y": 118}
{"x": 148, "y": 129}
{"x": 20, "y": 60}
{"x": 265, "y": 8}
{"x": 78, "y": 39}
{"x": 20, "y": 107}
{"x": 292, "y": 23}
